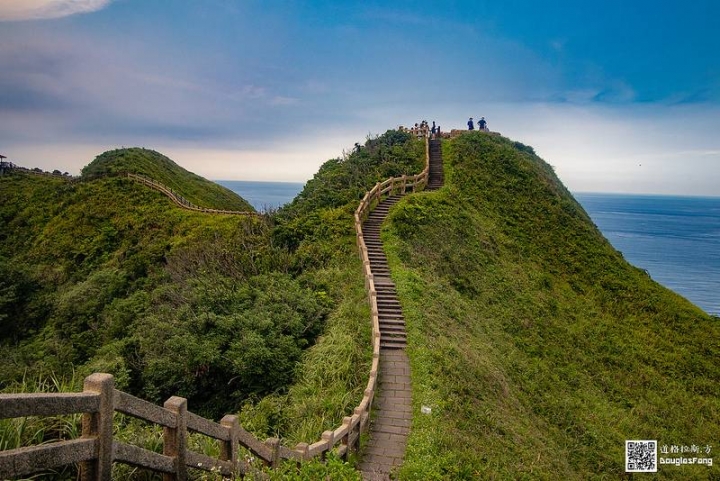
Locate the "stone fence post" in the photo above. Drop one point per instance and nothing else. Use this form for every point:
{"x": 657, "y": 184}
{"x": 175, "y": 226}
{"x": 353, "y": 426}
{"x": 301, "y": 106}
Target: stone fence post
{"x": 175, "y": 439}
{"x": 99, "y": 425}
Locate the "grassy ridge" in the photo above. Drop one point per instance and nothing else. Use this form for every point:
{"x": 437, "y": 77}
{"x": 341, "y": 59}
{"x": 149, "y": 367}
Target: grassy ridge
{"x": 539, "y": 349}
{"x": 160, "y": 168}
{"x": 89, "y": 268}
{"x": 265, "y": 313}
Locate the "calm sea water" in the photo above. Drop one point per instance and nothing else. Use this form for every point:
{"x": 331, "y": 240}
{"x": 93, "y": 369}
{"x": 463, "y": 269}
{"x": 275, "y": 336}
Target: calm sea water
{"x": 676, "y": 239}
{"x": 264, "y": 196}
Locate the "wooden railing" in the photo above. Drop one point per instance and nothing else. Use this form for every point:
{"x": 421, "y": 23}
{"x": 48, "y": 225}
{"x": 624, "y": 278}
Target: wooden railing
{"x": 97, "y": 449}
{"x": 179, "y": 199}
{"x": 393, "y": 185}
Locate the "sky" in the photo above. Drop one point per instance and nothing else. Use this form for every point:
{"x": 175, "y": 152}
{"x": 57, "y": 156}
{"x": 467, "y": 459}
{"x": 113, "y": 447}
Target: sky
{"x": 618, "y": 96}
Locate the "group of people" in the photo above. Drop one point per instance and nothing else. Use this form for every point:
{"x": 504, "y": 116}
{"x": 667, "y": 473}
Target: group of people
{"x": 423, "y": 129}
{"x": 481, "y": 124}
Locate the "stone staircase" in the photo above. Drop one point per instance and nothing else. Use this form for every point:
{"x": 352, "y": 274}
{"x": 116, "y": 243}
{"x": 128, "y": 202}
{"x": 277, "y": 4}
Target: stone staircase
{"x": 392, "y": 323}
{"x": 437, "y": 177}
{"x": 390, "y": 425}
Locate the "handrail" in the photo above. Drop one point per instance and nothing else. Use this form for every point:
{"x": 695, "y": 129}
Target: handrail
{"x": 96, "y": 450}
{"x": 182, "y": 201}
{"x": 178, "y": 199}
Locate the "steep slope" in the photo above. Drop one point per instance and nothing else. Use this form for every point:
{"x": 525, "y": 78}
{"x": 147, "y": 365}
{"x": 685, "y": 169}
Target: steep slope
{"x": 537, "y": 347}
{"x": 104, "y": 274}
{"x": 108, "y": 275}
{"x": 161, "y": 169}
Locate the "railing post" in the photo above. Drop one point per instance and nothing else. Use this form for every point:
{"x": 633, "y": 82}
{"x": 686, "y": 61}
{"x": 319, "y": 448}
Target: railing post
{"x": 329, "y": 438}
{"x": 303, "y": 449}
{"x": 347, "y": 421}
{"x": 100, "y": 426}
{"x": 274, "y": 444}
{"x": 229, "y": 449}
{"x": 355, "y": 445}
{"x": 175, "y": 439}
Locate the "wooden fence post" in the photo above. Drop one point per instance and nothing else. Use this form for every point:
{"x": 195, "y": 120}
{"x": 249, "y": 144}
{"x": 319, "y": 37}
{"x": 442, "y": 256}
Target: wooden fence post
{"x": 303, "y": 449}
{"x": 175, "y": 439}
{"x": 229, "y": 449}
{"x": 99, "y": 425}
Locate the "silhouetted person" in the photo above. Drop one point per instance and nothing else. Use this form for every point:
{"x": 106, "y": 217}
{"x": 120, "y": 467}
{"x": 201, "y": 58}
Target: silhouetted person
{"x": 471, "y": 124}
{"x": 482, "y": 125}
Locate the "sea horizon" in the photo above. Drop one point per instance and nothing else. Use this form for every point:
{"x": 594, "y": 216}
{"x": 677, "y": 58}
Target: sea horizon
{"x": 264, "y": 196}
{"x": 675, "y": 238}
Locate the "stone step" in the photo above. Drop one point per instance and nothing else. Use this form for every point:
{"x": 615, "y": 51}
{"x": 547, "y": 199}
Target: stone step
{"x": 388, "y": 301}
{"x": 389, "y": 338}
{"x": 386, "y": 294}
{"x": 398, "y": 329}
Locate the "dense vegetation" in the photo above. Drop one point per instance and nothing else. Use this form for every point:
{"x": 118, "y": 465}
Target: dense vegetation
{"x": 537, "y": 347}
{"x": 103, "y": 274}
{"x": 159, "y": 168}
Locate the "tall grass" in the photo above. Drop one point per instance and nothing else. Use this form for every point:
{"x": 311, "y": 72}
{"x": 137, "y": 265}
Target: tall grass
{"x": 538, "y": 348}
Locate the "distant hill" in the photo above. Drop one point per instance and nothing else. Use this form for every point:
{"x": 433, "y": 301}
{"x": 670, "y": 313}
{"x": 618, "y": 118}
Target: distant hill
{"x": 106, "y": 275}
{"x": 539, "y": 349}
{"x": 160, "y": 168}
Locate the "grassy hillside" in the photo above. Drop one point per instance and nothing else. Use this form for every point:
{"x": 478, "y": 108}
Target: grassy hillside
{"x": 158, "y": 167}
{"x": 538, "y": 348}
{"x": 108, "y": 275}
{"x": 265, "y": 313}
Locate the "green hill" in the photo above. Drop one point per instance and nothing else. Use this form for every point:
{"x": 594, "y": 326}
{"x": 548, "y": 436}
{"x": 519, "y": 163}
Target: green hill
{"x": 158, "y": 167}
{"x": 109, "y": 275}
{"x": 105, "y": 274}
{"x": 539, "y": 349}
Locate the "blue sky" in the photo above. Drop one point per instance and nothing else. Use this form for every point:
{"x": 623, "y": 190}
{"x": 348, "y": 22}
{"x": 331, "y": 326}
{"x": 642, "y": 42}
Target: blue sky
{"x": 618, "y": 96}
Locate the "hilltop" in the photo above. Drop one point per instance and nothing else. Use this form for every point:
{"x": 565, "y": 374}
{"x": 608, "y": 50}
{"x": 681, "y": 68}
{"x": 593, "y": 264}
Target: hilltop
{"x": 539, "y": 349}
{"x": 160, "y": 168}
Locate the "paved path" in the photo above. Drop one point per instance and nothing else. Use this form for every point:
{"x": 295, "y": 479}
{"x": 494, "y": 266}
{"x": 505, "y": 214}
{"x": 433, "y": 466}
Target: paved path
{"x": 392, "y": 409}
{"x": 393, "y": 412}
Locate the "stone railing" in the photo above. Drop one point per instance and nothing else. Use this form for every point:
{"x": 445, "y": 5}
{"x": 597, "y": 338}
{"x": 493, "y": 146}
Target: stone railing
{"x": 96, "y": 449}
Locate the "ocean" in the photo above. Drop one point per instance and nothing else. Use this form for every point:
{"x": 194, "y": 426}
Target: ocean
{"x": 264, "y": 196}
{"x": 675, "y": 239}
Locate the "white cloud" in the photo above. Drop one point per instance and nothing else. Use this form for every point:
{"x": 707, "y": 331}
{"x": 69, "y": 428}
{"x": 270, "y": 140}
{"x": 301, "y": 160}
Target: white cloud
{"x": 46, "y": 9}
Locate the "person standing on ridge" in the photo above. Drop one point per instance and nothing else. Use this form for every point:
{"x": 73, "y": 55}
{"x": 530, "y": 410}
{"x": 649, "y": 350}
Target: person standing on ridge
{"x": 471, "y": 124}
{"x": 482, "y": 125}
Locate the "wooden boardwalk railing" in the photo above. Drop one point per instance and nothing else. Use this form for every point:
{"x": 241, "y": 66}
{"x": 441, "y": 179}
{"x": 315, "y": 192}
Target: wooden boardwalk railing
{"x": 97, "y": 449}
{"x": 180, "y": 200}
